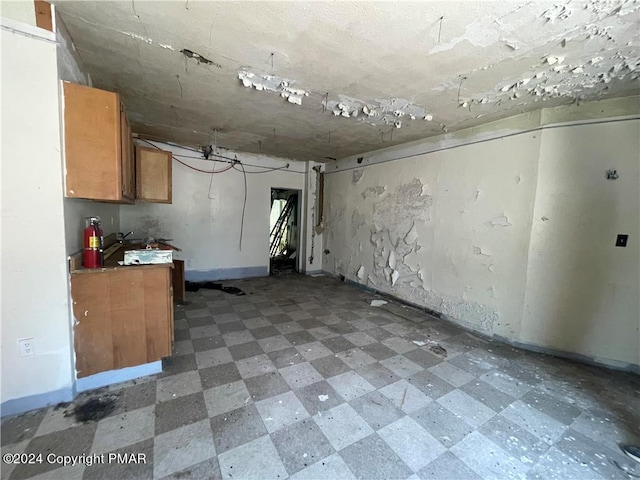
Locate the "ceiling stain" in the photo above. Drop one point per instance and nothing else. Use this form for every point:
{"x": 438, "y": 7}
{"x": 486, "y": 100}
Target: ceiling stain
{"x": 363, "y": 69}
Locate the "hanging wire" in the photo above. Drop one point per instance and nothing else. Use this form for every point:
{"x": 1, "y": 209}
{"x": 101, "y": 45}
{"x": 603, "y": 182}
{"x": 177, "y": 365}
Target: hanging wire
{"x": 231, "y": 161}
{"x": 268, "y": 169}
{"x": 212, "y": 171}
{"x": 244, "y": 204}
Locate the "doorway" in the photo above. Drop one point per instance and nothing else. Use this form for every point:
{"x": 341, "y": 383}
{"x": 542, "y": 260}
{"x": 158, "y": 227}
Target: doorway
{"x": 284, "y": 238}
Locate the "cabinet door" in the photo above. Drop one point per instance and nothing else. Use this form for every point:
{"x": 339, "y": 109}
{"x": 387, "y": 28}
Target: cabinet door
{"x": 92, "y": 143}
{"x": 153, "y": 175}
{"x": 128, "y": 170}
{"x": 124, "y": 318}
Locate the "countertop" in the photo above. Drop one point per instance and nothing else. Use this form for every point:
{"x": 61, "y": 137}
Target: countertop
{"x": 111, "y": 263}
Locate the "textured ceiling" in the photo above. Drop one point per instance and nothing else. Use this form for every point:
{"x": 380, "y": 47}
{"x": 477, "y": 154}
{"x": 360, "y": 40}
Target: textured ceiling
{"x": 320, "y": 80}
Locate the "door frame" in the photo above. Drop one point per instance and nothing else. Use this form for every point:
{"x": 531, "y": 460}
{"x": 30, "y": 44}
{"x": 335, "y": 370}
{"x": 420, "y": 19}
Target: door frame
{"x": 300, "y": 232}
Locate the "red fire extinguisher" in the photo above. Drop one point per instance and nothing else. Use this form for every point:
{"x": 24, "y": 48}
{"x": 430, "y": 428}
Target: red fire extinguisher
{"x": 93, "y": 243}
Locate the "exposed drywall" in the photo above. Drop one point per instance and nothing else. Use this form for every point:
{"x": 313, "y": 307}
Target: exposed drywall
{"x": 425, "y": 229}
{"x": 34, "y": 265}
{"x": 451, "y": 228}
{"x": 206, "y": 214}
{"x": 582, "y": 290}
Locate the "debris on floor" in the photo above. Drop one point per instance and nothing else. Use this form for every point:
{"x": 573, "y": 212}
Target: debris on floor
{"x": 94, "y": 409}
{"x": 433, "y": 346}
{"x": 323, "y": 398}
{"x": 195, "y": 286}
{"x": 378, "y": 303}
{"x": 438, "y": 349}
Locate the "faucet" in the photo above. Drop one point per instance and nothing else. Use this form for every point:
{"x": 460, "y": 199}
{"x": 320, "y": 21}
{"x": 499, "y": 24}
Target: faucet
{"x": 123, "y": 236}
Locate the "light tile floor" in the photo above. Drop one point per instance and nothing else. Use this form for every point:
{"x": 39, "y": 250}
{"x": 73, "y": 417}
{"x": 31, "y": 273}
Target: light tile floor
{"x": 302, "y": 378}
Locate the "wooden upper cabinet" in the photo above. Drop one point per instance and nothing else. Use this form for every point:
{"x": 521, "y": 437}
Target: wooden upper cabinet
{"x": 153, "y": 175}
{"x": 97, "y": 139}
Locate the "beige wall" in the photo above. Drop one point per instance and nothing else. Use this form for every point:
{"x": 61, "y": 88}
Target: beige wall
{"x": 33, "y": 260}
{"x": 205, "y": 216}
{"x": 20, "y": 10}
{"x": 454, "y": 223}
{"x": 582, "y": 291}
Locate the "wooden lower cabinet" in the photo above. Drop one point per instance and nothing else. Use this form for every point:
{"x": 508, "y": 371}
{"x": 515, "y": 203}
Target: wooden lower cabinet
{"x": 124, "y": 317}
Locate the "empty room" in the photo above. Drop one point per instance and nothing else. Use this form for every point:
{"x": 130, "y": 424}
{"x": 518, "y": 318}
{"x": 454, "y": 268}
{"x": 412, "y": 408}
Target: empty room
{"x": 320, "y": 240}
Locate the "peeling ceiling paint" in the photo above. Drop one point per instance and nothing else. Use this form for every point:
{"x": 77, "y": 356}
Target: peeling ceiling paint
{"x": 319, "y": 80}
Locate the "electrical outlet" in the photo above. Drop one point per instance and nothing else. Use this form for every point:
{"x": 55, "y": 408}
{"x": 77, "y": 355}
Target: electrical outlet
{"x": 25, "y": 346}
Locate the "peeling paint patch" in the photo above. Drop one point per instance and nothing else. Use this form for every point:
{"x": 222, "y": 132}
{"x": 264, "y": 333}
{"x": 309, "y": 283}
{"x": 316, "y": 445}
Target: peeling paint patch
{"x": 392, "y": 260}
{"x": 274, "y": 84}
{"x": 370, "y": 192}
{"x": 412, "y": 235}
{"x": 402, "y": 208}
{"x": 357, "y": 176}
{"x": 381, "y": 112}
{"x": 357, "y": 220}
{"x": 360, "y": 273}
{"x": 199, "y": 58}
{"x": 138, "y": 37}
{"x": 478, "y": 251}
{"x": 501, "y": 221}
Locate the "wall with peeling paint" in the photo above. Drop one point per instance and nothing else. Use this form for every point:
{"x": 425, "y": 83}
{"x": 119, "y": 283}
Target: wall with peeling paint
{"x": 205, "y": 216}
{"x": 448, "y": 230}
{"x": 582, "y": 291}
{"x": 313, "y": 226}
{"x": 448, "y": 225}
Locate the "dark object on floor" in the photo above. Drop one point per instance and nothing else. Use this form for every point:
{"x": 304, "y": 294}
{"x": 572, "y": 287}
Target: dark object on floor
{"x": 195, "y": 286}
{"x": 95, "y": 409}
{"x": 632, "y": 451}
{"x": 438, "y": 349}
{"x": 282, "y": 265}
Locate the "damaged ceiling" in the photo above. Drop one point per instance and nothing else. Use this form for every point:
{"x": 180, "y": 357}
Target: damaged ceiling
{"x": 319, "y": 81}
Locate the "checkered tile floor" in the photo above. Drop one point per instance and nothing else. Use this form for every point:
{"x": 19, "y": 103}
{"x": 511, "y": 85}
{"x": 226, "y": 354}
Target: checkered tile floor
{"x": 302, "y": 378}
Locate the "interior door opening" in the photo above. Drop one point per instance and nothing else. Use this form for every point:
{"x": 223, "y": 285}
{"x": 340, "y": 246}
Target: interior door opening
{"x": 284, "y": 241}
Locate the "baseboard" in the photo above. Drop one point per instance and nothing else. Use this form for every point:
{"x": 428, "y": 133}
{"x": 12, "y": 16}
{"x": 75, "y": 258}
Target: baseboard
{"x": 597, "y": 361}
{"x": 422, "y": 308}
{"x": 226, "y": 273}
{"x": 579, "y": 357}
{"x": 315, "y": 273}
{"x": 34, "y": 402}
{"x": 111, "y": 377}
